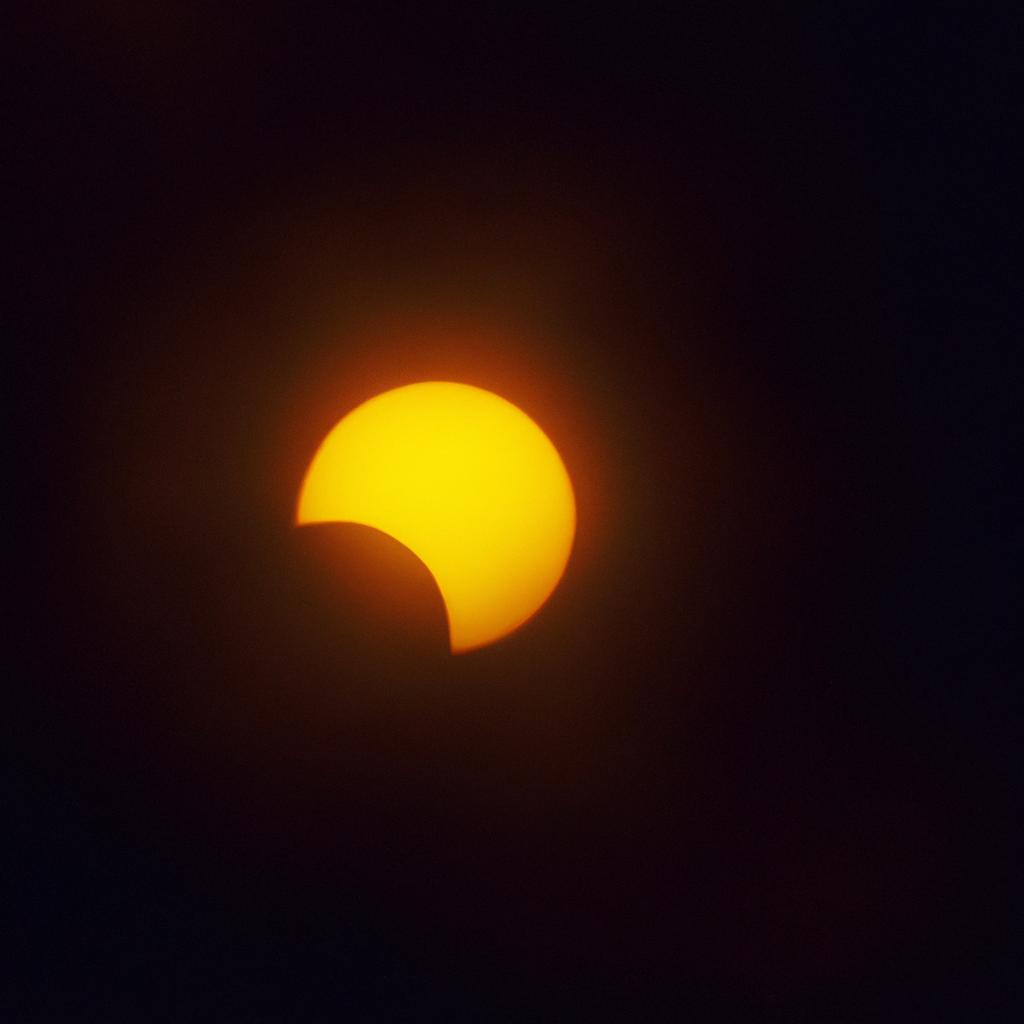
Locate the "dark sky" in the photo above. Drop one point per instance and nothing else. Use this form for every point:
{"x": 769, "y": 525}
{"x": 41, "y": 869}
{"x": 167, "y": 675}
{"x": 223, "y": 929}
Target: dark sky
{"x": 749, "y": 268}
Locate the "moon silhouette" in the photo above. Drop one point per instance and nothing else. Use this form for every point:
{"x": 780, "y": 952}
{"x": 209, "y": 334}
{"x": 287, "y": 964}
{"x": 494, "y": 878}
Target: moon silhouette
{"x": 466, "y": 481}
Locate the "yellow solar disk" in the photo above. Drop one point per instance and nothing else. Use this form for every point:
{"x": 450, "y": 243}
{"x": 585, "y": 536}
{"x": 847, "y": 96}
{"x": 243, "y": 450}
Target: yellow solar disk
{"x": 466, "y": 481}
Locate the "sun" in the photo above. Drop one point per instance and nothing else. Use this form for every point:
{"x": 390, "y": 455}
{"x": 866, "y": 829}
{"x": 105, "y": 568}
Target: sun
{"x": 466, "y": 481}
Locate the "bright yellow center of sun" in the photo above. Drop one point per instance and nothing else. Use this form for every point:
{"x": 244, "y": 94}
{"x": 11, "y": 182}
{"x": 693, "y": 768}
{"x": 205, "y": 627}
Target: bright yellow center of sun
{"x": 466, "y": 481}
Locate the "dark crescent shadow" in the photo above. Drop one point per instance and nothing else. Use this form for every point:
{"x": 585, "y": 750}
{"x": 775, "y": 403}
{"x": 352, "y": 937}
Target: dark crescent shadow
{"x": 357, "y": 587}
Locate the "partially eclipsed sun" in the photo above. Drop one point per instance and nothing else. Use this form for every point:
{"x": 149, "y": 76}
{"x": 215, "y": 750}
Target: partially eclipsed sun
{"x": 466, "y": 481}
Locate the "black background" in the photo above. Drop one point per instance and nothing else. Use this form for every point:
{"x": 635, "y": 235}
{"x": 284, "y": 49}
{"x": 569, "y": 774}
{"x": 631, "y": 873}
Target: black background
{"x": 754, "y": 760}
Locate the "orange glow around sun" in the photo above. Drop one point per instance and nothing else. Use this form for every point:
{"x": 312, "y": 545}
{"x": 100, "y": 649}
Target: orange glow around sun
{"x": 466, "y": 481}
